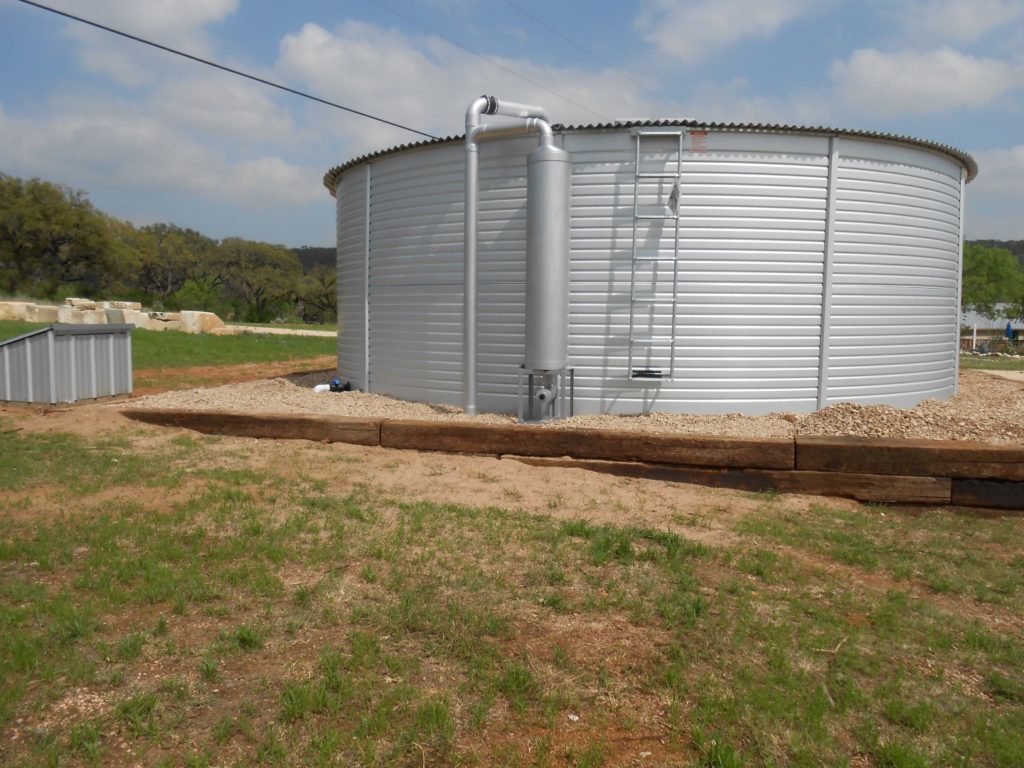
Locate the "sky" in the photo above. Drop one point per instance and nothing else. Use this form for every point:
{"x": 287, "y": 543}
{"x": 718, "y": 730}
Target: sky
{"x": 153, "y": 137}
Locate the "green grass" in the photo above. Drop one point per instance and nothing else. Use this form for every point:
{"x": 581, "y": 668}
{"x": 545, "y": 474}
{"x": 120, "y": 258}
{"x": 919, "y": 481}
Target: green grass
{"x": 992, "y": 363}
{"x": 163, "y": 349}
{"x": 332, "y": 327}
{"x": 11, "y": 328}
{"x": 947, "y": 554}
{"x": 166, "y": 349}
{"x": 213, "y": 607}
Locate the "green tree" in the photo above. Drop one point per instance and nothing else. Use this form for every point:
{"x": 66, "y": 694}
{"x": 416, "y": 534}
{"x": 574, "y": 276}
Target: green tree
{"x": 992, "y": 276}
{"x": 52, "y": 239}
{"x": 171, "y": 256}
{"x": 318, "y": 294}
{"x": 262, "y": 278}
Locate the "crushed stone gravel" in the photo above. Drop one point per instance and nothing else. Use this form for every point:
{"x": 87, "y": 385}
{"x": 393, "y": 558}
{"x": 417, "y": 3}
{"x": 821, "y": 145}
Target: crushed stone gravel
{"x": 988, "y": 409}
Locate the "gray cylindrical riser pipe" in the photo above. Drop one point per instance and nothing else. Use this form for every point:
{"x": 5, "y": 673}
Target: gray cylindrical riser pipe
{"x": 547, "y": 259}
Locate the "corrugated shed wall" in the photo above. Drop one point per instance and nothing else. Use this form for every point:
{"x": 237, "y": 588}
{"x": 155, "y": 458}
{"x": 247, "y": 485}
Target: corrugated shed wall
{"x": 26, "y": 369}
{"x": 896, "y": 270}
{"x": 755, "y": 216}
{"x": 62, "y": 364}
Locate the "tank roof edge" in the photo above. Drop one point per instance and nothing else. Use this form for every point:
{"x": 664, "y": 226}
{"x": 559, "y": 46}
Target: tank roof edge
{"x": 967, "y": 161}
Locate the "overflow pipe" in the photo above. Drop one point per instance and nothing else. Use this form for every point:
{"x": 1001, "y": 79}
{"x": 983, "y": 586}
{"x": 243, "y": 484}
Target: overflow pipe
{"x": 535, "y": 120}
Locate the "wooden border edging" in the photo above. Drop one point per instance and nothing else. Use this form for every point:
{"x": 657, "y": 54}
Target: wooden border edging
{"x": 692, "y": 450}
{"x": 329, "y": 429}
{"x": 882, "y": 488}
{"x": 868, "y": 469}
{"x": 944, "y": 458}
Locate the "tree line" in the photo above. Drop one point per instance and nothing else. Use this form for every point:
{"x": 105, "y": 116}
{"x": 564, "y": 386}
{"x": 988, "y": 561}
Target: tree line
{"x": 54, "y": 243}
{"x": 993, "y": 280}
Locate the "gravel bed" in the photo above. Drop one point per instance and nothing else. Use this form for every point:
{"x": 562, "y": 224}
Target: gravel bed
{"x": 988, "y": 408}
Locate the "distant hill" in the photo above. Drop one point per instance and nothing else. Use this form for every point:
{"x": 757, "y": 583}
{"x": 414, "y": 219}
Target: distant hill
{"x": 311, "y": 256}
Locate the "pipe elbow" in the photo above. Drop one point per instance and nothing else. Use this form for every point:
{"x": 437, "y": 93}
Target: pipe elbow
{"x": 476, "y": 108}
{"x": 543, "y": 128}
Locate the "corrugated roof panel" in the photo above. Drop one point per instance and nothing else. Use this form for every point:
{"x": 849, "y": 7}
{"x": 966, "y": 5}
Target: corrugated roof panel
{"x": 968, "y": 162}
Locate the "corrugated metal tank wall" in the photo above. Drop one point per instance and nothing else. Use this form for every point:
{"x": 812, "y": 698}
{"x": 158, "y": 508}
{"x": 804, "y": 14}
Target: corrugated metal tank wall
{"x": 753, "y": 279}
{"x": 895, "y": 304}
{"x": 752, "y": 223}
{"x": 351, "y": 200}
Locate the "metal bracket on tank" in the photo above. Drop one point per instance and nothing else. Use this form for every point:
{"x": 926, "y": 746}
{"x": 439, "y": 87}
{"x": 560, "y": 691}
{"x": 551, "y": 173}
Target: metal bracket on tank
{"x": 545, "y": 396}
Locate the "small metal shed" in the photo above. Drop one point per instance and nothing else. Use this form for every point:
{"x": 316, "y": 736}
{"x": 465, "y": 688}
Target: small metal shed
{"x": 67, "y": 363}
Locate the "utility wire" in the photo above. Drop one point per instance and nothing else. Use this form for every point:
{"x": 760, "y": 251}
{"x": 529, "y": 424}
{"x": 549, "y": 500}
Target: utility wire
{"x": 480, "y": 56}
{"x": 226, "y": 68}
{"x": 591, "y": 54}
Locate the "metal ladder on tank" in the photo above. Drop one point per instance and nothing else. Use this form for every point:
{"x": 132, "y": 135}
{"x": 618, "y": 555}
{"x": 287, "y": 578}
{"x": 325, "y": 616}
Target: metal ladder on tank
{"x": 656, "y": 304}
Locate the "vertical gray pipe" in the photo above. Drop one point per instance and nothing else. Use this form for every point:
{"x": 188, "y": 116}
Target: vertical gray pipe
{"x": 469, "y": 254}
{"x": 547, "y": 258}
{"x": 547, "y": 240}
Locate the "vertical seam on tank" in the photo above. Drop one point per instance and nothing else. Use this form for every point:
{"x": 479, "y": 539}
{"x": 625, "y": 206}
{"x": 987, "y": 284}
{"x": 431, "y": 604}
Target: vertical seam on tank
{"x": 959, "y": 286}
{"x": 366, "y": 280}
{"x": 824, "y": 339}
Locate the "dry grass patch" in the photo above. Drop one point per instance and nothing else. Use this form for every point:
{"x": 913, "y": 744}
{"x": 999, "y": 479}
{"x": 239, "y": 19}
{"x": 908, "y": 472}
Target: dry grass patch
{"x": 216, "y": 601}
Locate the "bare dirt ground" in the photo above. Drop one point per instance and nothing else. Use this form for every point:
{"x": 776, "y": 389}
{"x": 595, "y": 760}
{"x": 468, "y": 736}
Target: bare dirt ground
{"x": 711, "y": 516}
{"x": 153, "y": 380}
{"x": 988, "y": 408}
{"x": 704, "y": 514}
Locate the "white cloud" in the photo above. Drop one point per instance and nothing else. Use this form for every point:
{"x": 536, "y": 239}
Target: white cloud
{"x": 910, "y": 82}
{"x": 734, "y": 101}
{"x": 957, "y": 20}
{"x": 426, "y": 83}
{"x": 225, "y": 106}
{"x": 691, "y": 30}
{"x": 113, "y": 143}
{"x": 176, "y": 23}
{"x": 995, "y": 199}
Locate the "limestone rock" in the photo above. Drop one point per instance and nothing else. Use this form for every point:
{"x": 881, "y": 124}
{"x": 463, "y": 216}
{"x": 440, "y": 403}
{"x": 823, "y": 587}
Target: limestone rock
{"x": 199, "y": 322}
{"x": 13, "y": 310}
{"x": 163, "y": 321}
{"x": 80, "y": 303}
{"x": 132, "y": 305}
{"x": 135, "y": 317}
{"x": 42, "y": 313}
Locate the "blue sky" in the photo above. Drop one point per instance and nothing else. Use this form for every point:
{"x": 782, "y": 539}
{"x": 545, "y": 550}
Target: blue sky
{"x": 155, "y": 138}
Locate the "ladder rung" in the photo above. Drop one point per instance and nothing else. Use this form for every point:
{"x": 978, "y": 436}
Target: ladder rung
{"x": 646, "y": 373}
{"x": 656, "y": 216}
{"x": 656, "y": 175}
{"x": 652, "y": 340}
{"x": 662, "y": 259}
{"x": 648, "y": 299}
{"x": 659, "y": 133}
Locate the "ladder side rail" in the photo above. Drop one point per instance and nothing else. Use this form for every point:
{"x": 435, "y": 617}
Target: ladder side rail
{"x": 632, "y": 261}
{"x": 675, "y": 258}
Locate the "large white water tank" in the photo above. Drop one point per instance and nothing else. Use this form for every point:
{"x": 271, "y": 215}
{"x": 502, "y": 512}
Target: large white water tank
{"x": 812, "y": 266}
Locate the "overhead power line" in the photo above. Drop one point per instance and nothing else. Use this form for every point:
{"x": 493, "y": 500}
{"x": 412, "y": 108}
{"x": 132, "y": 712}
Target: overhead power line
{"x": 238, "y": 72}
{"x": 489, "y": 60}
{"x": 591, "y": 54}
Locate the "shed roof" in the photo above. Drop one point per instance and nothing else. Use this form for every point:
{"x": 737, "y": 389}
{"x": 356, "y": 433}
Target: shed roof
{"x": 73, "y": 329}
{"x": 968, "y": 162}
